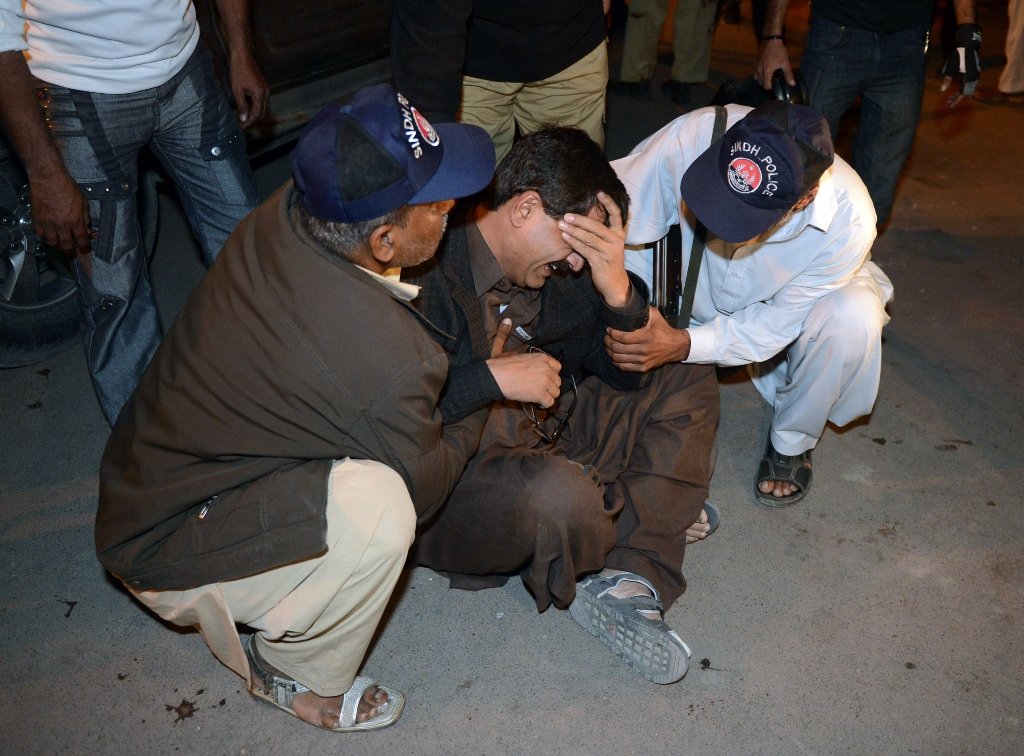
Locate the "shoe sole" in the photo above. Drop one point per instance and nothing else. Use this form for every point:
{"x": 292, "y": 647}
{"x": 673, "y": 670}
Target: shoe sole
{"x": 657, "y": 656}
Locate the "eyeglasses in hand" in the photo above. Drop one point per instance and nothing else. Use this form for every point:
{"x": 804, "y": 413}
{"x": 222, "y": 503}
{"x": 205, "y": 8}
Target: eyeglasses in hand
{"x": 563, "y": 422}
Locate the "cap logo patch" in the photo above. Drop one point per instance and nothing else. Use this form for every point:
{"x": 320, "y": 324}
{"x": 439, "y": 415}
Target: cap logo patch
{"x": 756, "y": 172}
{"x": 744, "y": 175}
{"x": 426, "y": 130}
{"x": 409, "y": 126}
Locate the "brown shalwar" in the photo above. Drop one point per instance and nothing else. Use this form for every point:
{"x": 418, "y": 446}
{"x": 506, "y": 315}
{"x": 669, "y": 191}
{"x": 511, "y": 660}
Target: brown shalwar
{"x": 618, "y": 490}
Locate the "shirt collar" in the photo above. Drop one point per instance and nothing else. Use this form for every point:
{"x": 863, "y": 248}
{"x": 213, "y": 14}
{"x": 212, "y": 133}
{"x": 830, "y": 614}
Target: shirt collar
{"x": 818, "y": 214}
{"x": 487, "y": 274}
{"x": 825, "y": 205}
{"x": 400, "y": 289}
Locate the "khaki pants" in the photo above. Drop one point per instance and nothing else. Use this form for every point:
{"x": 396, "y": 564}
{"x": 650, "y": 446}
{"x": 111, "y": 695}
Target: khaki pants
{"x": 572, "y": 97}
{"x": 693, "y": 27}
{"x": 1012, "y": 78}
{"x": 314, "y": 619}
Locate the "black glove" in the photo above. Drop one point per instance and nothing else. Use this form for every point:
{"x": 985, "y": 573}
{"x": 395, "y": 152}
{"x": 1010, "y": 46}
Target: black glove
{"x": 965, "y": 59}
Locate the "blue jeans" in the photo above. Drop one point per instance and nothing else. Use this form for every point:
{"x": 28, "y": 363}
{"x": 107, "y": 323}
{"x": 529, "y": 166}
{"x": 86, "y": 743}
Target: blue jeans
{"x": 887, "y": 71}
{"x": 189, "y": 126}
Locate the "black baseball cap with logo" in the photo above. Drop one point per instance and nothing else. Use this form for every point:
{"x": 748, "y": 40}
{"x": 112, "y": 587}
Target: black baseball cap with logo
{"x": 744, "y": 183}
{"x": 361, "y": 160}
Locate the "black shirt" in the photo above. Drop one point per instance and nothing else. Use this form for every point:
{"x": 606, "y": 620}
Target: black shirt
{"x": 875, "y": 15}
{"x": 433, "y": 42}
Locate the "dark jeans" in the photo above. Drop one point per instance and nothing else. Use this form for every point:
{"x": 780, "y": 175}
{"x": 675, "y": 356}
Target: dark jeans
{"x": 618, "y": 490}
{"x": 188, "y": 124}
{"x": 887, "y": 71}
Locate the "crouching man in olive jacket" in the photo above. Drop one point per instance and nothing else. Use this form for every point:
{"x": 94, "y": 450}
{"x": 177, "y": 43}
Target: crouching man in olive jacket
{"x": 275, "y": 459}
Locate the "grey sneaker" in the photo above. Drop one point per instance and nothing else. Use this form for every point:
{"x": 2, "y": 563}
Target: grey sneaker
{"x": 649, "y": 646}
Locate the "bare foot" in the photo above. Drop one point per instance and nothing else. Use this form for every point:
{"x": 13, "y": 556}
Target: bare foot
{"x": 783, "y": 475}
{"x": 776, "y": 488}
{"x": 326, "y": 712}
{"x": 700, "y": 529}
{"x": 628, "y": 589}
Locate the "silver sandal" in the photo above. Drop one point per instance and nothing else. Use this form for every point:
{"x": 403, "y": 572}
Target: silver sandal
{"x": 280, "y": 690}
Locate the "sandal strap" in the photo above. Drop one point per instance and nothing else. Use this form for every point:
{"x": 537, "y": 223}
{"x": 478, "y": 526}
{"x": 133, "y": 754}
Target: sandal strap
{"x": 604, "y": 585}
{"x": 644, "y": 604}
{"x": 278, "y": 685}
{"x": 627, "y": 577}
{"x": 350, "y": 700}
{"x": 795, "y": 469}
{"x": 281, "y": 690}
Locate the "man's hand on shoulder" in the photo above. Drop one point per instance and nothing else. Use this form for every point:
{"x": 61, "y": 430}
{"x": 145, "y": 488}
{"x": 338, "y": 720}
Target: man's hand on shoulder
{"x": 657, "y": 343}
{"x": 603, "y": 247}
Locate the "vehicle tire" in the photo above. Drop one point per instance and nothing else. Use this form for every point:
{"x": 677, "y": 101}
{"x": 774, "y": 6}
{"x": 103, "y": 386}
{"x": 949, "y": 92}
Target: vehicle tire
{"x": 38, "y": 294}
{"x": 40, "y": 315}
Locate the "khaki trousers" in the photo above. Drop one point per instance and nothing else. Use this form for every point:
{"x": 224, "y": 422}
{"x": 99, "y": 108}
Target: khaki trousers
{"x": 313, "y": 619}
{"x": 1012, "y": 78}
{"x": 572, "y": 97}
{"x": 693, "y": 27}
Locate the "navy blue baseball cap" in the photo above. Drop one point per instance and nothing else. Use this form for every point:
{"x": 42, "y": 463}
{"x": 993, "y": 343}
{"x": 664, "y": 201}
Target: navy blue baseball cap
{"x": 743, "y": 184}
{"x": 361, "y": 160}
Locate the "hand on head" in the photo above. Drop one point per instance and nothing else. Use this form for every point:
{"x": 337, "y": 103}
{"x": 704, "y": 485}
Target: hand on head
{"x": 602, "y": 246}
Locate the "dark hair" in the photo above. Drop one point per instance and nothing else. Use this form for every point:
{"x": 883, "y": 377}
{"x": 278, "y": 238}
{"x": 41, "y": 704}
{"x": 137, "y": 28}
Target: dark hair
{"x": 564, "y": 166}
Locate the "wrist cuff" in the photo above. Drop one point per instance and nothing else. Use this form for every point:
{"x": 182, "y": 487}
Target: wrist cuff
{"x": 969, "y": 36}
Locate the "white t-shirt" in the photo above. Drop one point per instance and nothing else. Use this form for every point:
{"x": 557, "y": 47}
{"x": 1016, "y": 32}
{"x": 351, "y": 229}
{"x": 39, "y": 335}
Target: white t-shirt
{"x": 751, "y": 301}
{"x": 106, "y": 46}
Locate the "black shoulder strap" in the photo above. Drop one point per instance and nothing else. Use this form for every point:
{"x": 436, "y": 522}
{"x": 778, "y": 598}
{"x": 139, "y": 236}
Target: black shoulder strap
{"x": 699, "y": 238}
